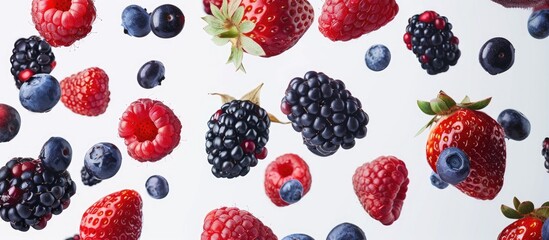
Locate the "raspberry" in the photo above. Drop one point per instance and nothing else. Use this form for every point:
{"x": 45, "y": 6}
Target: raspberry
{"x": 30, "y": 193}
{"x": 30, "y": 56}
{"x": 430, "y": 38}
{"x": 87, "y": 92}
{"x": 63, "y": 22}
{"x": 344, "y": 20}
{"x": 282, "y": 169}
{"x": 381, "y": 187}
{"x": 150, "y": 130}
{"x": 236, "y": 138}
{"x": 231, "y": 223}
{"x": 325, "y": 113}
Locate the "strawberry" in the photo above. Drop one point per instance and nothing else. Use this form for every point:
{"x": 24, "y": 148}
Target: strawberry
{"x": 478, "y": 135}
{"x": 528, "y": 223}
{"x": 343, "y": 20}
{"x": 381, "y": 187}
{"x": 259, "y": 27}
{"x": 86, "y": 92}
{"x": 63, "y": 22}
{"x": 115, "y": 216}
{"x": 231, "y": 223}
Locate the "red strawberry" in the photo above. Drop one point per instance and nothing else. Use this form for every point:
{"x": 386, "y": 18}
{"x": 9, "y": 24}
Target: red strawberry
{"x": 259, "y": 27}
{"x": 475, "y": 133}
{"x": 87, "y": 92}
{"x": 528, "y": 228}
{"x": 115, "y": 216}
{"x": 381, "y": 187}
{"x": 150, "y": 130}
{"x": 283, "y": 168}
{"x": 63, "y": 22}
{"x": 231, "y": 223}
{"x": 343, "y": 20}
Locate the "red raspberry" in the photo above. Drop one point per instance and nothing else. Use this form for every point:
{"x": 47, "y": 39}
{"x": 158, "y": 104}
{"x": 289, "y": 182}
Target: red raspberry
{"x": 150, "y": 130}
{"x": 87, "y": 92}
{"x": 381, "y": 187}
{"x": 286, "y": 167}
{"x": 231, "y": 223}
{"x": 63, "y": 22}
{"x": 343, "y": 20}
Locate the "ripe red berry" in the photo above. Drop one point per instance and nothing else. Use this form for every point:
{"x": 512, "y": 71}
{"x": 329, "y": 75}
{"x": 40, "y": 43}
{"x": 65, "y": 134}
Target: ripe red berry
{"x": 286, "y": 167}
{"x": 231, "y": 223}
{"x": 87, "y": 92}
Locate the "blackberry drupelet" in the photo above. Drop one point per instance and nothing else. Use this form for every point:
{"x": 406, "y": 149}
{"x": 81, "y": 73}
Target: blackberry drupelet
{"x": 325, "y": 113}
{"x": 430, "y": 38}
{"x": 236, "y": 138}
{"x": 30, "y": 56}
{"x": 30, "y": 194}
{"x": 87, "y": 178}
{"x": 545, "y": 152}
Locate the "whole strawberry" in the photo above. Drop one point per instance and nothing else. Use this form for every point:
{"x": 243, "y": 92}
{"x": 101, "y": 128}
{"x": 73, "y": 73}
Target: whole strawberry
{"x": 528, "y": 223}
{"x": 231, "y": 223}
{"x": 479, "y": 136}
{"x": 87, "y": 92}
{"x": 381, "y": 187}
{"x": 343, "y": 20}
{"x": 63, "y": 22}
{"x": 259, "y": 27}
{"x": 115, "y": 216}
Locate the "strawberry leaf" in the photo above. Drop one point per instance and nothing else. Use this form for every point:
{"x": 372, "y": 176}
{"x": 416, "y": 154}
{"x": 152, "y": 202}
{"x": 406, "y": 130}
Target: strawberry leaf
{"x": 251, "y": 47}
{"x": 439, "y": 106}
{"x": 447, "y": 100}
{"x": 427, "y": 125}
{"x": 425, "y": 107}
{"x": 225, "y": 98}
{"x": 247, "y": 26}
{"x": 477, "y": 105}
{"x": 236, "y": 18}
{"x": 253, "y": 95}
{"x": 224, "y": 9}
{"x": 233, "y": 5}
{"x": 210, "y": 29}
{"x": 216, "y": 12}
{"x": 510, "y": 213}
{"x": 542, "y": 212}
{"x": 525, "y": 207}
{"x": 516, "y": 202}
{"x": 220, "y": 41}
{"x": 466, "y": 99}
{"x": 239, "y": 55}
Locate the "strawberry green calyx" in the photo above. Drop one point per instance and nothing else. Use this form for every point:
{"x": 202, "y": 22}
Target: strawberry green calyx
{"x": 444, "y": 105}
{"x": 525, "y": 209}
{"x": 226, "y": 25}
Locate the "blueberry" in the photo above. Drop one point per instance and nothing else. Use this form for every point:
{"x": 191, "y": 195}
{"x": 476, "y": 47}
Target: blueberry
{"x": 298, "y": 236}
{"x": 497, "y": 55}
{"x": 167, "y": 21}
{"x": 538, "y": 24}
{"x": 291, "y": 191}
{"x": 40, "y": 93}
{"x": 515, "y": 125}
{"x": 10, "y": 122}
{"x": 453, "y": 165}
{"x": 135, "y": 21}
{"x": 151, "y": 74}
{"x": 103, "y": 160}
{"x": 545, "y": 230}
{"x": 378, "y": 57}
{"x": 157, "y": 187}
{"x": 56, "y": 154}
{"x": 346, "y": 231}
{"x": 437, "y": 182}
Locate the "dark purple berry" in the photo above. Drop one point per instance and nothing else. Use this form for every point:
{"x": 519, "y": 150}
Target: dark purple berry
{"x": 56, "y": 154}
{"x": 157, "y": 187}
{"x": 151, "y": 74}
{"x": 497, "y": 55}
{"x": 515, "y": 125}
{"x": 40, "y": 93}
{"x": 10, "y": 122}
{"x": 103, "y": 160}
{"x": 167, "y": 21}
{"x": 135, "y": 21}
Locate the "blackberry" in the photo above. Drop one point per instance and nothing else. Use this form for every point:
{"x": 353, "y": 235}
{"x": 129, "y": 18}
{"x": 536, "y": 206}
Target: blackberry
{"x": 545, "y": 152}
{"x": 87, "y": 178}
{"x": 325, "y": 113}
{"x": 430, "y": 38}
{"x": 75, "y": 237}
{"x": 30, "y": 56}
{"x": 236, "y": 138}
{"x": 30, "y": 193}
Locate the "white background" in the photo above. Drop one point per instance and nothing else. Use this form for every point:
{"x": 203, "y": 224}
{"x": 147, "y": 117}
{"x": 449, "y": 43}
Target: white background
{"x": 196, "y": 67}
